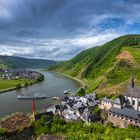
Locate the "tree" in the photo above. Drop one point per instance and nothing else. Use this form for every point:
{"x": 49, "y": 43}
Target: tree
{"x": 3, "y": 131}
{"x": 81, "y": 92}
{"x": 96, "y": 110}
{"x": 26, "y": 84}
{"x": 18, "y": 86}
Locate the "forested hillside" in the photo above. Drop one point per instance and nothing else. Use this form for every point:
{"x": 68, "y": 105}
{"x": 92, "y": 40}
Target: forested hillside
{"x": 107, "y": 68}
{"x": 20, "y": 62}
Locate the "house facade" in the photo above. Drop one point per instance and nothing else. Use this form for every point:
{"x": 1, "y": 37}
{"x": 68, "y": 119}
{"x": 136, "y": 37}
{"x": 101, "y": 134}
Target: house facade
{"x": 106, "y": 104}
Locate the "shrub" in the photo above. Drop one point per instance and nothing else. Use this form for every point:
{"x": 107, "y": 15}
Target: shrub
{"x": 96, "y": 110}
{"x": 3, "y": 131}
{"x": 80, "y": 92}
{"x": 18, "y": 86}
{"x": 26, "y": 84}
{"x": 40, "y": 78}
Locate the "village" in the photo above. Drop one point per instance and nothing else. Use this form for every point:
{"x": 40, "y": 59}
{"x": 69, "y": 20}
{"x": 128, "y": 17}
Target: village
{"x": 12, "y": 74}
{"x": 121, "y": 112}
{"x": 76, "y": 108}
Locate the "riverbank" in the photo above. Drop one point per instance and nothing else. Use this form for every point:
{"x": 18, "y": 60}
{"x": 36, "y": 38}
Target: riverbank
{"x": 10, "y": 85}
{"x": 73, "y": 78}
{"x": 15, "y": 88}
{"x": 7, "y": 89}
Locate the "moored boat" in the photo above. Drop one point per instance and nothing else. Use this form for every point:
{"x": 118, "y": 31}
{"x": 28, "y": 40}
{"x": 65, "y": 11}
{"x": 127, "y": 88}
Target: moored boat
{"x": 55, "y": 98}
{"x": 31, "y": 97}
{"x": 67, "y": 91}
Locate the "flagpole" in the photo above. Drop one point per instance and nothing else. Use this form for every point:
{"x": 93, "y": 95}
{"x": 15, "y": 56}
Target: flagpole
{"x": 33, "y": 109}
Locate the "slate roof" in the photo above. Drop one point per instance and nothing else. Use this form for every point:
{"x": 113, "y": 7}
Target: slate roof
{"x": 117, "y": 101}
{"x": 133, "y": 92}
{"x": 81, "y": 110}
{"x": 126, "y": 112}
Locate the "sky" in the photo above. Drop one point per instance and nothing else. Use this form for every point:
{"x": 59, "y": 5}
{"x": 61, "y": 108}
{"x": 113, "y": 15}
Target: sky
{"x": 60, "y": 29}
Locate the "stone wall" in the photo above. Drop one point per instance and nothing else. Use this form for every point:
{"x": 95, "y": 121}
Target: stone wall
{"x": 121, "y": 121}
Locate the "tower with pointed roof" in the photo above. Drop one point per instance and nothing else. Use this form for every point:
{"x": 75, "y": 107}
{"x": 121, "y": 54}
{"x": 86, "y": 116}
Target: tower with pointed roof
{"x": 132, "y": 82}
{"x": 132, "y": 96}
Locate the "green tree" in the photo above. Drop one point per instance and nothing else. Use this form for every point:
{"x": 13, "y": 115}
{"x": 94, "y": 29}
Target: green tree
{"x": 26, "y": 84}
{"x": 18, "y": 86}
{"x": 3, "y": 131}
{"x": 81, "y": 92}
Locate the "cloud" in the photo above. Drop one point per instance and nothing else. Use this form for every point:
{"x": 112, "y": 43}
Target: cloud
{"x": 56, "y": 49}
{"x": 54, "y": 29}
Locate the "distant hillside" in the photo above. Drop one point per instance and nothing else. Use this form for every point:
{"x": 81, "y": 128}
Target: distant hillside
{"x": 107, "y": 68}
{"x": 20, "y": 62}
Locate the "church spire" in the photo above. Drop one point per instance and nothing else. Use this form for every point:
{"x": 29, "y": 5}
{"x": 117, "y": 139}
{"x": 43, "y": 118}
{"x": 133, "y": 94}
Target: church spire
{"x": 132, "y": 82}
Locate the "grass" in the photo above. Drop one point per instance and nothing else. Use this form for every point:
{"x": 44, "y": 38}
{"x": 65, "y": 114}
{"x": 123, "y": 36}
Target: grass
{"x": 135, "y": 69}
{"x": 6, "y": 84}
{"x": 3, "y": 66}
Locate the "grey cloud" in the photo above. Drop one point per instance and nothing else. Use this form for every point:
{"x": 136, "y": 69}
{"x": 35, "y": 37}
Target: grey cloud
{"x": 37, "y": 24}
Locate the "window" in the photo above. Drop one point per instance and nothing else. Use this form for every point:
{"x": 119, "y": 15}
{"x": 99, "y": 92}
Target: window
{"x": 133, "y": 102}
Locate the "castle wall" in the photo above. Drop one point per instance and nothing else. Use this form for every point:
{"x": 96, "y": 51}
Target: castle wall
{"x": 121, "y": 121}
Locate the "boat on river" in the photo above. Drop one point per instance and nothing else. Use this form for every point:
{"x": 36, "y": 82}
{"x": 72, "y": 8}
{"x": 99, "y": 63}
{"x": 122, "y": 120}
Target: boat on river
{"x": 55, "y": 98}
{"x": 67, "y": 91}
{"x": 34, "y": 97}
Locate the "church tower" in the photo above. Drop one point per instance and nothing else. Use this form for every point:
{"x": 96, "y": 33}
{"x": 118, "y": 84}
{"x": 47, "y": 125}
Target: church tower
{"x": 133, "y": 95}
{"x": 132, "y": 82}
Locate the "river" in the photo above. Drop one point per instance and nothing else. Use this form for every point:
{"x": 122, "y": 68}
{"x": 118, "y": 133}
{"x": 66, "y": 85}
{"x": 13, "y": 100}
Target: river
{"x": 53, "y": 85}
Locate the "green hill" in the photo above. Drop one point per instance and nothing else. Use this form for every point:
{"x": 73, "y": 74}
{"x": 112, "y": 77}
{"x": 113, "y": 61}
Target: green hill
{"x": 20, "y": 62}
{"x": 107, "y": 68}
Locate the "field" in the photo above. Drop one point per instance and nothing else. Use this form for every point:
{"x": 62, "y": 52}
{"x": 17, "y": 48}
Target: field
{"x": 7, "y": 84}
